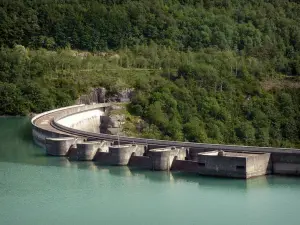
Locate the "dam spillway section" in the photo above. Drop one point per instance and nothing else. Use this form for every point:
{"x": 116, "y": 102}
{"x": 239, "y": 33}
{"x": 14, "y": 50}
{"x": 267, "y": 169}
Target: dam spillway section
{"x": 74, "y": 132}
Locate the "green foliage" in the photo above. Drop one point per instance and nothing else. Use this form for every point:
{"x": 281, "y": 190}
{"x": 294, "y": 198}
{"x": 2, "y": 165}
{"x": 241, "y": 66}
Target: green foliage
{"x": 196, "y": 66}
{"x": 263, "y": 29}
{"x": 194, "y": 130}
{"x": 207, "y": 101}
{"x": 11, "y": 100}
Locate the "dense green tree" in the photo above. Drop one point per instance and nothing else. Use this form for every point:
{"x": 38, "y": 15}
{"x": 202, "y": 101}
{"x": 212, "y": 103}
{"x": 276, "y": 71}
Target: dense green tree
{"x": 185, "y": 25}
{"x": 194, "y": 130}
{"x": 219, "y": 71}
{"x": 11, "y": 100}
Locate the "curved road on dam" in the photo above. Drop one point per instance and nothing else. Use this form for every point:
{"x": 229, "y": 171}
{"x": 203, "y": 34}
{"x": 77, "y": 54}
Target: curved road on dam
{"x": 49, "y": 121}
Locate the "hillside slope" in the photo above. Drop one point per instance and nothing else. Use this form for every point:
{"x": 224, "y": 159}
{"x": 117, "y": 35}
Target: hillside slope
{"x": 222, "y": 71}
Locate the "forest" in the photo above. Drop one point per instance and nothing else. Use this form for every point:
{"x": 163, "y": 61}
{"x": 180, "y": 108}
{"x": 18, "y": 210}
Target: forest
{"x": 217, "y": 71}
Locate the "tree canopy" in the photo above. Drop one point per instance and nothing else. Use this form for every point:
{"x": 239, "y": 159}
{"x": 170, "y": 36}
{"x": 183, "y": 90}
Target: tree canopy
{"x": 221, "y": 71}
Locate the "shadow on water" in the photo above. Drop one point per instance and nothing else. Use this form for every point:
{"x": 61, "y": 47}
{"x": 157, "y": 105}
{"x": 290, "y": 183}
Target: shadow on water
{"x": 17, "y": 147}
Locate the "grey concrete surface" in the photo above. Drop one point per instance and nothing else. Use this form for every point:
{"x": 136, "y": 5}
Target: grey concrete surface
{"x": 59, "y": 146}
{"x": 233, "y": 164}
{"x": 121, "y": 154}
{"x": 161, "y": 158}
{"x": 86, "y": 151}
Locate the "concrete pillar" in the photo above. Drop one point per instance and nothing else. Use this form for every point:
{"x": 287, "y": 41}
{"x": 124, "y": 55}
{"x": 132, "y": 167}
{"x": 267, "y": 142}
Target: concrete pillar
{"x": 161, "y": 158}
{"x": 87, "y": 150}
{"x": 59, "y": 146}
{"x": 120, "y": 154}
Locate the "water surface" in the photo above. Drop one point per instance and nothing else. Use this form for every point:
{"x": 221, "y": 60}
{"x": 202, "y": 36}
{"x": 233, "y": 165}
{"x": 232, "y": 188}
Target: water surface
{"x": 35, "y": 189}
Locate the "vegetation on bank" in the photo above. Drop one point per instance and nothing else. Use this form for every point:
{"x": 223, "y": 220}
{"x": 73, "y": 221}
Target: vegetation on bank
{"x": 204, "y": 96}
{"x": 223, "y": 71}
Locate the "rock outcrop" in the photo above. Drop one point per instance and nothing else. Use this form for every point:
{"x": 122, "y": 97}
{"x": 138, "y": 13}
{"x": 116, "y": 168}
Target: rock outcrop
{"x": 101, "y": 95}
{"x": 113, "y": 121}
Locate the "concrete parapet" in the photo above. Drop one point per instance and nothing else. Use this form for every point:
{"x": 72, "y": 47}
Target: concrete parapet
{"x": 59, "y": 146}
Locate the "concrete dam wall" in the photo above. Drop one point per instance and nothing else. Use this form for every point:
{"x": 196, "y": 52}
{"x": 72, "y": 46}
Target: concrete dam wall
{"x": 74, "y": 132}
{"x": 86, "y": 121}
{"x": 77, "y": 116}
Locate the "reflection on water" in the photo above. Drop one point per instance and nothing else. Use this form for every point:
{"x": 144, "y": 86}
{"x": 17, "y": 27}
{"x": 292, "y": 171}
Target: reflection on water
{"x": 38, "y": 189}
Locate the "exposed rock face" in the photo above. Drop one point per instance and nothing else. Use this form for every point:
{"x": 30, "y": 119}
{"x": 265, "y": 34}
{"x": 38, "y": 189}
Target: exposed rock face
{"x": 122, "y": 96}
{"x": 112, "y": 123}
{"x": 100, "y": 95}
{"x": 114, "y": 120}
{"x": 97, "y": 95}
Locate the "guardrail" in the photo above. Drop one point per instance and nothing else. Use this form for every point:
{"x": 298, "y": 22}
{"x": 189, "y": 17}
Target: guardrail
{"x": 146, "y": 141}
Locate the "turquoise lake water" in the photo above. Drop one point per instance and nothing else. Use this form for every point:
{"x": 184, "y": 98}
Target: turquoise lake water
{"x": 36, "y": 189}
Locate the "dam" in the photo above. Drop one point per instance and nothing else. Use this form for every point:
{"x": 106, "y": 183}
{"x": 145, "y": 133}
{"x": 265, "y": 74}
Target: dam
{"x": 74, "y": 132}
